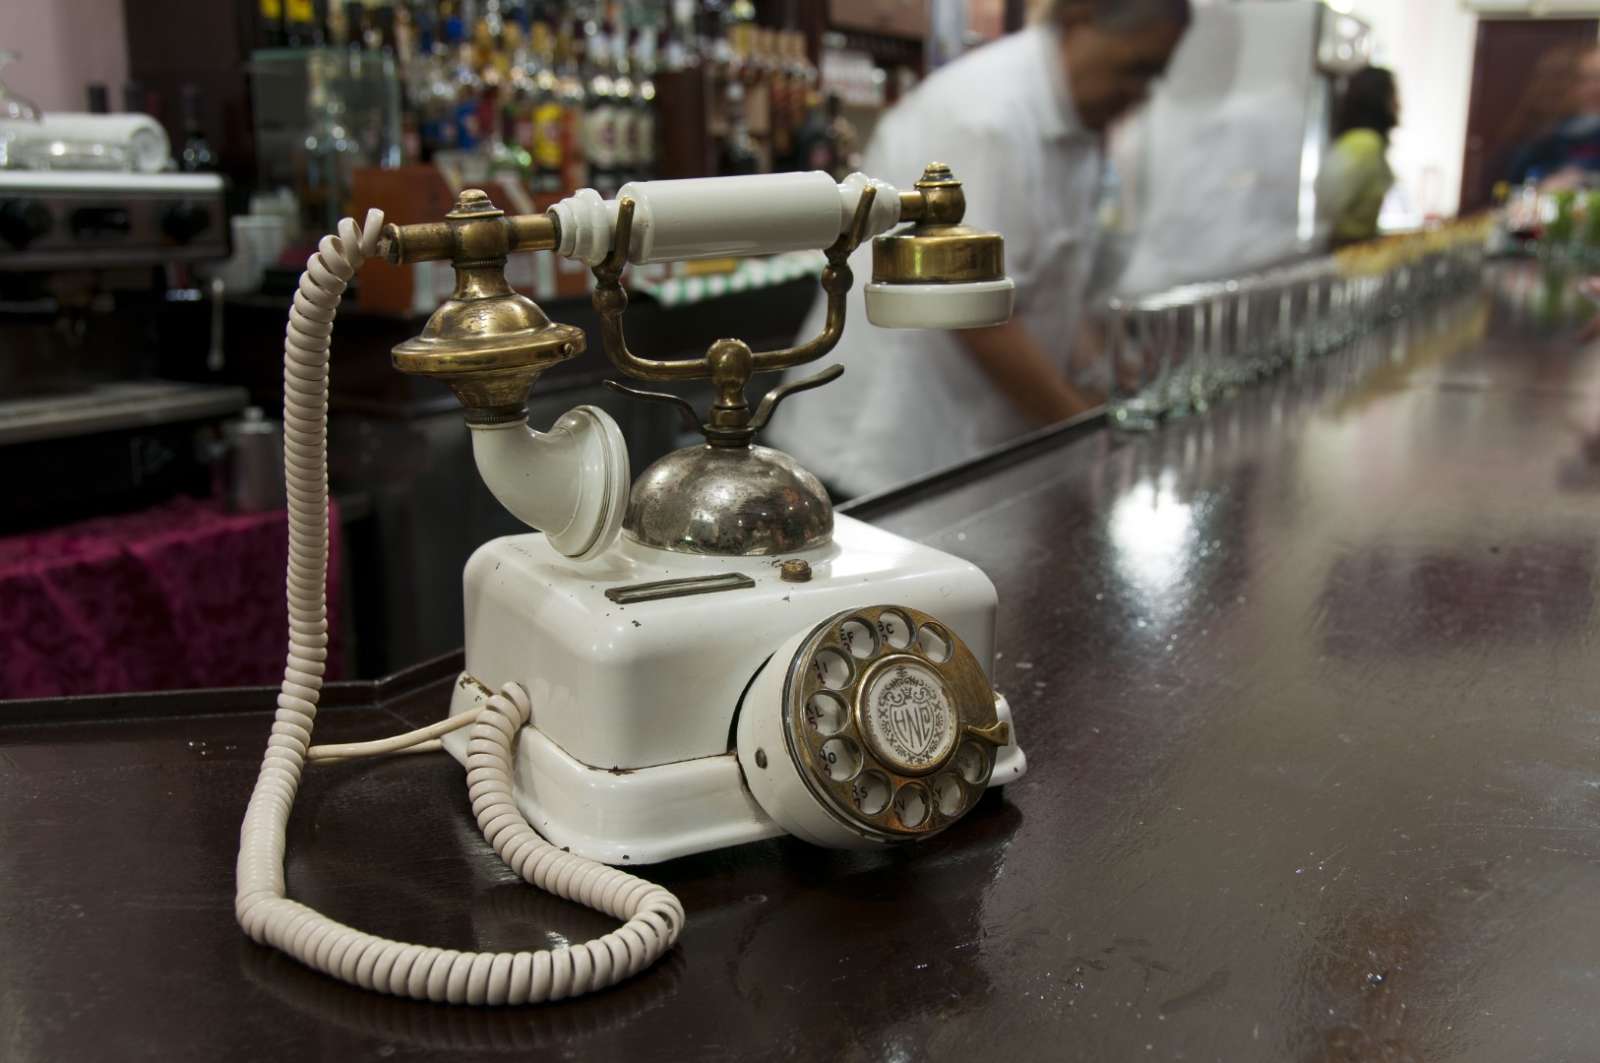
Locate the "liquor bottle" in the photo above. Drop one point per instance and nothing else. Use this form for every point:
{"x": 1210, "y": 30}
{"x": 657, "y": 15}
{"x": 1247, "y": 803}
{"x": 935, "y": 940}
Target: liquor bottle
{"x": 746, "y": 69}
{"x": 337, "y": 25}
{"x": 738, "y": 154}
{"x": 624, "y": 158}
{"x": 826, "y": 140}
{"x": 644, "y": 106}
{"x": 329, "y": 152}
{"x": 196, "y": 155}
{"x": 300, "y": 24}
{"x": 435, "y": 93}
{"x": 802, "y": 82}
{"x": 780, "y": 132}
{"x": 516, "y": 13}
{"x": 712, "y": 36}
{"x": 547, "y": 113}
{"x": 572, "y": 90}
{"x": 516, "y": 93}
{"x": 715, "y": 51}
{"x": 468, "y": 87}
{"x": 403, "y": 31}
{"x": 485, "y": 50}
{"x": 506, "y": 157}
{"x": 493, "y": 74}
{"x": 491, "y": 18}
{"x": 600, "y": 113}
{"x": 378, "y": 26}
{"x": 845, "y": 141}
{"x": 99, "y": 98}
{"x": 782, "y": 101}
{"x": 679, "y": 41}
{"x": 269, "y": 24}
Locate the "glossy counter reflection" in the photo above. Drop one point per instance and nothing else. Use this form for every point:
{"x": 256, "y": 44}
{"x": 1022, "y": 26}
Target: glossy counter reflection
{"x": 1307, "y": 688}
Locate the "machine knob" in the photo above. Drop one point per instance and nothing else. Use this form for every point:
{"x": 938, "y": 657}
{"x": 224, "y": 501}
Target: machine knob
{"x": 182, "y": 222}
{"x": 23, "y": 221}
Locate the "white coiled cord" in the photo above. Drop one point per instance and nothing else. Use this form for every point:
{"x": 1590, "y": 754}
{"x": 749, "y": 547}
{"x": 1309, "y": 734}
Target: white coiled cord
{"x": 653, "y": 916}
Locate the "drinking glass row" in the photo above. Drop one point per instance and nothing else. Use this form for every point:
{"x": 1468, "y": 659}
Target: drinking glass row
{"x": 1175, "y": 352}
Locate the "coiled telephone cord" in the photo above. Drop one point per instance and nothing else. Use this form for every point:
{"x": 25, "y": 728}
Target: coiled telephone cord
{"x": 653, "y": 916}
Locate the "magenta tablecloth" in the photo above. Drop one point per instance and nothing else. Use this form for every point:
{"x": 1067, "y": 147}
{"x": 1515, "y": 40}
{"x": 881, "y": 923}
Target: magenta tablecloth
{"x": 181, "y": 595}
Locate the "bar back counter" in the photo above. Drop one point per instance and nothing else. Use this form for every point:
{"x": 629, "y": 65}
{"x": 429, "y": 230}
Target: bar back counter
{"x": 1307, "y": 683}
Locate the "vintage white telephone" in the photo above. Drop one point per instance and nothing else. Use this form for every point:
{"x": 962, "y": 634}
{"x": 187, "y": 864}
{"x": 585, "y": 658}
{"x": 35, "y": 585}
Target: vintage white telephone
{"x": 706, "y": 659}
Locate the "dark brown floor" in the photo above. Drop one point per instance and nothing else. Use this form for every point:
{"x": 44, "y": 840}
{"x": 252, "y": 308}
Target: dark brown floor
{"x": 1308, "y": 687}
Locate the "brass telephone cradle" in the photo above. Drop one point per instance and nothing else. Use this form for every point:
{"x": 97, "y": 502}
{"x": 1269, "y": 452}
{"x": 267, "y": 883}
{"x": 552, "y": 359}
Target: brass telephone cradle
{"x": 729, "y": 497}
{"x": 729, "y": 363}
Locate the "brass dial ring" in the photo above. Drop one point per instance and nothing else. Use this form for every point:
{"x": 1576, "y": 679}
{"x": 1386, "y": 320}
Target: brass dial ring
{"x": 891, "y": 721}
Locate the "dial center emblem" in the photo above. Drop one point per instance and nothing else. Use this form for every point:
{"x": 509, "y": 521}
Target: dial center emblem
{"x": 907, "y": 717}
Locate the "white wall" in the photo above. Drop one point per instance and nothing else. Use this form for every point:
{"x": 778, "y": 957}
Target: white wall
{"x": 62, "y": 46}
{"x": 1429, "y": 44}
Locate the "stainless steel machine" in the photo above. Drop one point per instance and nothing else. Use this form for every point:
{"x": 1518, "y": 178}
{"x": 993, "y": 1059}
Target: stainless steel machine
{"x": 94, "y": 284}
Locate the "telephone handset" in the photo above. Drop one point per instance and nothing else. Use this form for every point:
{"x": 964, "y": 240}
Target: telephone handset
{"x": 706, "y": 658}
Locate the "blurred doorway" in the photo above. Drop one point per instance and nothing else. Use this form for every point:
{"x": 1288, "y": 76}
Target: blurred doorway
{"x": 1522, "y": 75}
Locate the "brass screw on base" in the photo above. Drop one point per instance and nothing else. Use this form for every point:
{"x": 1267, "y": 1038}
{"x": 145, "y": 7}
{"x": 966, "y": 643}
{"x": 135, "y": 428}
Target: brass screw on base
{"x": 795, "y": 571}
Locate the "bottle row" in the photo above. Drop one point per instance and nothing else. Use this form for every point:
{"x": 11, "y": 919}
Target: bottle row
{"x": 566, "y": 94}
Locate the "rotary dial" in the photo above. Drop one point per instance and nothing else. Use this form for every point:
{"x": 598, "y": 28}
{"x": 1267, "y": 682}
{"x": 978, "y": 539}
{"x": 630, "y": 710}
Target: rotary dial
{"x": 891, "y": 721}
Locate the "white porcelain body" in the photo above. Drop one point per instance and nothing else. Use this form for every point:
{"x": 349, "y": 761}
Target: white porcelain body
{"x": 629, "y": 754}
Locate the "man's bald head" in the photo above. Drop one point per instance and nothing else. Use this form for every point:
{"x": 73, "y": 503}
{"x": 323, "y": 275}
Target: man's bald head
{"x": 1114, "y": 49}
{"x": 1121, "y": 15}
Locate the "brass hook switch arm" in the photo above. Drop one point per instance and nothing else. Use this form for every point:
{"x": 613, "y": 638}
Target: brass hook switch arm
{"x": 769, "y": 402}
{"x": 837, "y": 279}
{"x": 610, "y": 300}
{"x": 691, "y": 419}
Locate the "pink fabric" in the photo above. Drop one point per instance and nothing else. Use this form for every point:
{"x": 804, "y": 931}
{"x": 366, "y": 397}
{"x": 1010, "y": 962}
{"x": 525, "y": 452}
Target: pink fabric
{"x": 181, "y": 595}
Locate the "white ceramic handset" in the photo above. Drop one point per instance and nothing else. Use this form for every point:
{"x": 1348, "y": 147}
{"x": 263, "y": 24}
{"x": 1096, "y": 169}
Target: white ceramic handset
{"x": 713, "y": 217}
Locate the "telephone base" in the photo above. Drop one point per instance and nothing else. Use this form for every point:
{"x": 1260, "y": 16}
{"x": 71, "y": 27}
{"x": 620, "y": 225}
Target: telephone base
{"x": 629, "y": 754}
{"x": 646, "y": 815}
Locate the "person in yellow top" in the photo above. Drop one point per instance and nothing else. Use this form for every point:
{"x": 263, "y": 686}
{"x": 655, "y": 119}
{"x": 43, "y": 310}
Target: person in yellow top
{"x": 1355, "y": 177}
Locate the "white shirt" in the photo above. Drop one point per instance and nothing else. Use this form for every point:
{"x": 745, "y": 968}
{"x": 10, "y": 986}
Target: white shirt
{"x": 911, "y": 402}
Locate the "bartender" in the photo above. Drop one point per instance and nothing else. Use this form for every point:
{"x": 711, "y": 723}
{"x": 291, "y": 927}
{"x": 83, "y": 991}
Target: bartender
{"x": 1022, "y": 123}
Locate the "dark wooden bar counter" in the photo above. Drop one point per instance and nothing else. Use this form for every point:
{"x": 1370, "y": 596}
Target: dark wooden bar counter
{"x": 1308, "y": 687}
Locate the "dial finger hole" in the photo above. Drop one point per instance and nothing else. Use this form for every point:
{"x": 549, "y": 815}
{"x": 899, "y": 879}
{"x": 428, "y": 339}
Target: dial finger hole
{"x": 934, "y": 642}
{"x": 858, "y": 637}
{"x": 825, "y": 713}
{"x": 832, "y": 669}
{"x": 911, "y": 804}
{"x": 894, "y": 628}
{"x": 972, "y": 763}
{"x": 841, "y": 759}
{"x": 871, "y": 792}
{"x": 949, "y": 796}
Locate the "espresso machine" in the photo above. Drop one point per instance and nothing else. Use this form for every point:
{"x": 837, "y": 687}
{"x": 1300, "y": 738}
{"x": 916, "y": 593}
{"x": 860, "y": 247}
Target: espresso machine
{"x": 96, "y": 298}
